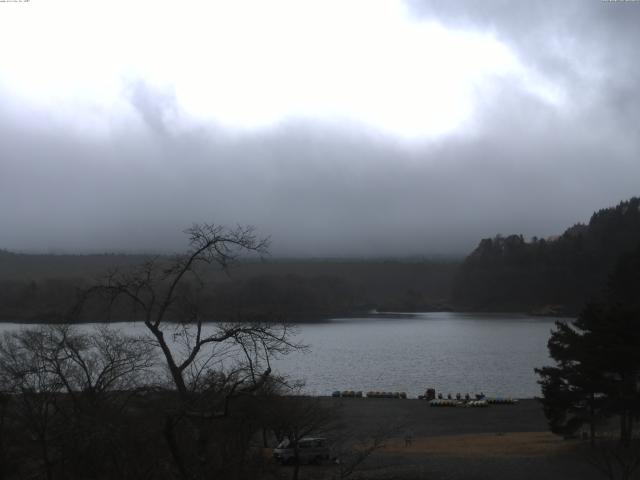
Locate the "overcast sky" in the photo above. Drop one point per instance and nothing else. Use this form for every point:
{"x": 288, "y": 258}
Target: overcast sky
{"x": 338, "y": 127}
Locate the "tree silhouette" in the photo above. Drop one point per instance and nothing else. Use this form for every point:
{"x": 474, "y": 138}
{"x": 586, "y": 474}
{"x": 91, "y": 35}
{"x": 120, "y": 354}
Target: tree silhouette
{"x": 209, "y": 364}
{"x": 597, "y": 372}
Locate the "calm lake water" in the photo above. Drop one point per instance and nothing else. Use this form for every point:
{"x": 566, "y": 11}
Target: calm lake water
{"x": 451, "y": 352}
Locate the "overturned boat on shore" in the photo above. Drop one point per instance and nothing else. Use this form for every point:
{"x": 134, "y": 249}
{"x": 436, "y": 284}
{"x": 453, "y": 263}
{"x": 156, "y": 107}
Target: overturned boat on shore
{"x": 347, "y": 394}
{"x": 375, "y": 394}
{"x": 502, "y": 401}
{"x": 458, "y": 403}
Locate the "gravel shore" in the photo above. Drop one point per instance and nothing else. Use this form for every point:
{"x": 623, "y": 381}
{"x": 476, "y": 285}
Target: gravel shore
{"x": 498, "y": 442}
{"x": 421, "y": 420}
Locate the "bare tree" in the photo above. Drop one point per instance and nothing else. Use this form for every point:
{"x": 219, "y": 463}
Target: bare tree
{"x": 167, "y": 293}
{"x": 209, "y": 364}
{"x": 297, "y": 417}
{"x": 4, "y": 454}
{"x": 35, "y": 390}
{"x": 353, "y": 449}
{"x": 358, "y": 451}
{"x": 68, "y": 390}
{"x": 615, "y": 460}
{"x": 95, "y": 365}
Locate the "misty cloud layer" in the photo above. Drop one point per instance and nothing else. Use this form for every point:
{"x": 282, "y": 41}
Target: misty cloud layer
{"x": 519, "y": 165}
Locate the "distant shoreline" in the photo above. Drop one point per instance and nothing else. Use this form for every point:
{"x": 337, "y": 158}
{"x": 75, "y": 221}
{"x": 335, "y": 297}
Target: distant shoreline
{"x": 311, "y": 319}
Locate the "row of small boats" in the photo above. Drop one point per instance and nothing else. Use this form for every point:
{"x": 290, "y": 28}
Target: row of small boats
{"x": 347, "y": 394}
{"x": 502, "y": 401}
{"x": 436, "y": 402}
{"x": 485, "y": 402}
{"x": 386, "y": 394}
{"x": 459, "y": 403}
{"x": 371, "y": 394}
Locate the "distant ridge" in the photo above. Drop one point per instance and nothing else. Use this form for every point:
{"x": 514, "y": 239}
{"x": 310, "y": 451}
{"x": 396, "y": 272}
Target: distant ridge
{"x": 556, "y": 275}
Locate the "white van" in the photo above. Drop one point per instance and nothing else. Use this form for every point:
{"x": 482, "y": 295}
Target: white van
{"x": 310, "y": 450}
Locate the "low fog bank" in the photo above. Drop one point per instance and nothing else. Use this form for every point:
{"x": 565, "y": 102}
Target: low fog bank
{"x": 315, "y": 189}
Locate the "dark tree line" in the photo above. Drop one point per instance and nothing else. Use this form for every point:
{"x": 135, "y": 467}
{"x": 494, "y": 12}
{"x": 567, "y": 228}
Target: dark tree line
{"x": 296, "y": 291}
{"x": 548, "y": 275}
{"x": 288, "y": 296}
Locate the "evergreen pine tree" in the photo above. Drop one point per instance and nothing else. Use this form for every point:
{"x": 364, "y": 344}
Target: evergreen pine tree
{"x": 597, "y": 372}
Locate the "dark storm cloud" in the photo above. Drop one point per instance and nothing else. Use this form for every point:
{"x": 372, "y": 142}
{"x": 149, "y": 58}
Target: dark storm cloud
{"x": 522, "y": 165}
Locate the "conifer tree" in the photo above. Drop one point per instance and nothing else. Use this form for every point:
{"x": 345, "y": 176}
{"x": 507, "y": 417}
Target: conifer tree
{"x": 597, "y": 372}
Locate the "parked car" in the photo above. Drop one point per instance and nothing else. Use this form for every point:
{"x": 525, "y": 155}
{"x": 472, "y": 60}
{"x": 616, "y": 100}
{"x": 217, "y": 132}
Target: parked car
{"x": 310, "y": 450}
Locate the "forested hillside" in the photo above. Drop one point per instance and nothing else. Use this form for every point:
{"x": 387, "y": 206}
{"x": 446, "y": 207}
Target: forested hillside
{"x": 554, "y": 275}
{"x": 42, "y": 288}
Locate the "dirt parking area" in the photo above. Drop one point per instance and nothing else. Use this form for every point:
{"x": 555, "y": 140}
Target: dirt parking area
{"x": 418, "y": 419}
{"x": 498, "y": 442}
{"x": 517, "y": 444}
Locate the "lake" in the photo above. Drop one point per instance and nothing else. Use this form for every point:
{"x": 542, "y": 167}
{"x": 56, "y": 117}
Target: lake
{"x": 451, "y": 352}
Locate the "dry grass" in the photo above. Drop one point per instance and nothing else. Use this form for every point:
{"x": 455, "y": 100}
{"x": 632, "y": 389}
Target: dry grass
{"x": 518, "y": 444}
